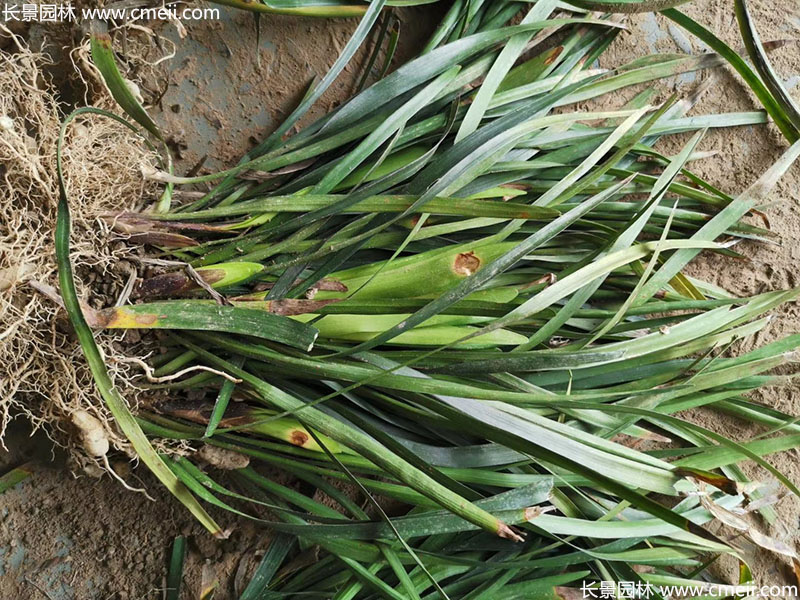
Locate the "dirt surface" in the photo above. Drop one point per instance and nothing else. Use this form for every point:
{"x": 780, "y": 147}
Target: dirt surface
{"x": 72, "y": 539}
{"x": 230, "y": 85}
{"x": 744, "y": 153}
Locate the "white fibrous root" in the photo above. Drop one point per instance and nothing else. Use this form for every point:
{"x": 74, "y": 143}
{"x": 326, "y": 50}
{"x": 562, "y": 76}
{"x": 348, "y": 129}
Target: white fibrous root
{"x": 44, "y": 376}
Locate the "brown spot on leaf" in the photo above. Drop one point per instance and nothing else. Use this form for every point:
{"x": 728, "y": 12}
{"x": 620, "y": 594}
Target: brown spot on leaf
{"x": 298, "y": 438}
{"x": 98, "y": 319}
{"x": 211, "y": 276}
{"x": 290, "y": 306}
{"x": 466, "y": 263}
{"x": 532, "y": 512}
{"x": 146, "y": 319}
{"x": 331, "y": 285}
{"x": 120, "y": 318}
{"x": 175, "y": 283}
{"x": 325, "y": 285}
{"x": 103, "y": 39}
{"x": 163, "y": 285}
{"x": 130, "y": 224}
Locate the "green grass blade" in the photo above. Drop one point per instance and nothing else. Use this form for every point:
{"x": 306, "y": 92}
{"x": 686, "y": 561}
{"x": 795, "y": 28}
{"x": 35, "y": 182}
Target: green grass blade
{"x": 464, "y": 207}
{"x": 382, "y": 133}
{"x": 431, "y": 64}
{"x": 175, "y": 573}
{"x": 506, "y": 59}
{"x": 365, "y": 446}
{"x": 244, "y": 318}
{"x": 353, "y": 44}
{"x": 759, "y": 57}
{"x": 276, "y": 553}
{"x": 627, "y": 6}
{"x": 323, "y": 10}
{"x": 745, "y": 202}
{"x": 103, "y": 57}
{"x": 221, "y": 403}
{"x": 112, "y": 397}
{"x": 391, "y": 557}
{"x": 14, "y": 476}
{"x": 751, "y": 78}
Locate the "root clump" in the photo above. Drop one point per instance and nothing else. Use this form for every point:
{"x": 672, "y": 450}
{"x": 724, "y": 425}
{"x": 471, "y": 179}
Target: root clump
{"x": 43, "y": 375}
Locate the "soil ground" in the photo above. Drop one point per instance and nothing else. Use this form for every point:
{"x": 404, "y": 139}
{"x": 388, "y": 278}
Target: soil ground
{"x": 68, "y": 538}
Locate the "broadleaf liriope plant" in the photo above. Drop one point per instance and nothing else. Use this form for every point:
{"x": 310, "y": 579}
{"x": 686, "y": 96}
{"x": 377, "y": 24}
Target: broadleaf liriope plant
{"x": 460, "y": 293}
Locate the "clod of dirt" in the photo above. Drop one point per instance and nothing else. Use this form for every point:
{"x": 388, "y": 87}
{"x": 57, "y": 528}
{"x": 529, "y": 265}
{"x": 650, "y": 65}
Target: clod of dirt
{"x": 227, "y": 460}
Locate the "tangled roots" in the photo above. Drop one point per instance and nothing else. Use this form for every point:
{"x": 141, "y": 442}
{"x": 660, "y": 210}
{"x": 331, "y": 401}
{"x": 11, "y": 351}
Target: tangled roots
{"x": 43, "y": 374}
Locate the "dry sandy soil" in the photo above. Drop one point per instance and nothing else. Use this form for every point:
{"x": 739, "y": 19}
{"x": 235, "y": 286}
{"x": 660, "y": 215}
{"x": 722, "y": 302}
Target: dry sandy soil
{"x": 68, "y": 538}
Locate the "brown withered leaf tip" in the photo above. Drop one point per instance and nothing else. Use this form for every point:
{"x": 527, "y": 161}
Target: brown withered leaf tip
{"x": 103, "y": 39}
{"x": 236, "y": 414}
{"x": 162, "y": 238}
{"x": 505, "y": 532}
{"x": 718, "y": 481}
{"x": 548, "y": 279}
{"x": 554, "y": 54}
{"x": 125, "y": 222}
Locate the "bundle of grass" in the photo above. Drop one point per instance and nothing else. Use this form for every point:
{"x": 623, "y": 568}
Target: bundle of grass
{"x": 449, "y": 293}
{"x": 347, "y": 8}
{"x": 43, "y": 376}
